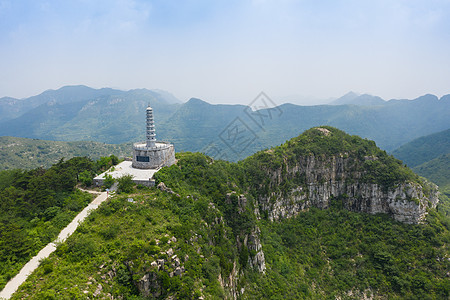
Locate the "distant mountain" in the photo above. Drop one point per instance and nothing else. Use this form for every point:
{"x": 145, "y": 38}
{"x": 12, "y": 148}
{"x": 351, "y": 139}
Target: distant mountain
{"x": 82, "y": 113}
{"x": 438, "y": 171}
{"x": 166, "y": 96}
{"x": 424, "y": 149}
{"x": 233, "y": 131}
{"x": 389, "y": 125}
{"x": 355, "y": 99}
{"x": 31, "y": 153}
{"x": 11, "y": 108}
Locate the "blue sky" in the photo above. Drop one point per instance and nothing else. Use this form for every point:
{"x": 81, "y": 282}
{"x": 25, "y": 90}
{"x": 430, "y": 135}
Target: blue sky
{"x": 228, "y": 51}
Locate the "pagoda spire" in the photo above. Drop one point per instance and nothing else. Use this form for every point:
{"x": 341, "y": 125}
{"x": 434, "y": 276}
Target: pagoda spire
{"x": 151, "y": 136}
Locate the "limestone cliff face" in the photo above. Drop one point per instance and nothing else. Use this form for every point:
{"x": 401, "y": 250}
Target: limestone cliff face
{"x": 316, "y": 180}
{"x": 256, "y": 259}
{"x": 250, "y": 240}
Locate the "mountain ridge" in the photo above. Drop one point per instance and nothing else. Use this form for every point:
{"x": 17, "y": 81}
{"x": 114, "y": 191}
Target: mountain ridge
{"x": 200, "y": 126}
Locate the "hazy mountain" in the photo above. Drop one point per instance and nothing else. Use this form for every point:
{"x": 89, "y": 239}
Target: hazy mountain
{"x": 235, "y": 131}
{"x": 389, "y": 125}
{"x": 101, "y": 115}
{"x": 429, "y": 156}
{"x": 165, "y": 95}
{"x": 353, "y": 98}
{"x": 11, "y": 108}
{"x": 424, "y": 149}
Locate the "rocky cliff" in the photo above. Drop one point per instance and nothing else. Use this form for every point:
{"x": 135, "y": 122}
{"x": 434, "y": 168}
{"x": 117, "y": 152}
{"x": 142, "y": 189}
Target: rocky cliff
{"x": 344, "y": 179}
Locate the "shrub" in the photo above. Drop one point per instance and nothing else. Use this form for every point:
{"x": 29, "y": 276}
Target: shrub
{"x": 126, "y": 184}
{"x": 109, "y": 181}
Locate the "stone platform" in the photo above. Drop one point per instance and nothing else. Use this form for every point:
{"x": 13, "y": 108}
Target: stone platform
{"x": 140, "y": 176}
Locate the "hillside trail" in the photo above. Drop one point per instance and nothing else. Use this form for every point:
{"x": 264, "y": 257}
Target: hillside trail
{"x": 13, "y": 284}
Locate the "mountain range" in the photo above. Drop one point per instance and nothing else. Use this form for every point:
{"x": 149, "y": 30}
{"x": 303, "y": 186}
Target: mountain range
{"x": 77, "y": 113}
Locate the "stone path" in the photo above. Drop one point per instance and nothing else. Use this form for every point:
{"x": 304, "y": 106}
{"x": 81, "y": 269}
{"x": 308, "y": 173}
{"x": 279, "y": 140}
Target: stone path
{"x": 12, "y": 285}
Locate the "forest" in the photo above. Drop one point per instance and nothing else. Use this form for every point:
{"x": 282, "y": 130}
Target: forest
{"x": 36, "y": 204}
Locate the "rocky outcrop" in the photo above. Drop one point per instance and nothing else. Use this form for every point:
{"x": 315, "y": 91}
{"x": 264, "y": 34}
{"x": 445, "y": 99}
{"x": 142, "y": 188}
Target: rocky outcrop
{"x": 256, "y": 259}
{"x": 162, "y": 186}
{"x": 150, "y": 282}
{"x": 316, "y": 181}
{"x": 149, "y": 285}
{"x": 230, "y": 283}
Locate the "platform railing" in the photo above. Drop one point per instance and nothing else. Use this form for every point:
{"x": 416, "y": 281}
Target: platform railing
{"x": 143, "y": 146}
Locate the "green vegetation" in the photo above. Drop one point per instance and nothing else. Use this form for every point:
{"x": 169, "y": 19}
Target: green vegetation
{"x": 122, "y": 239}
{"x": 424, "y": 149}
{"x": 22, "y": 153}
{"x": 322, "y": 254}
{"x": 429, "y": 156}
{"x": 35, "y": 205}
{"x": 188, "y": 239}
{"x": 438, "y": 171}
{"x": 125, "y": 184}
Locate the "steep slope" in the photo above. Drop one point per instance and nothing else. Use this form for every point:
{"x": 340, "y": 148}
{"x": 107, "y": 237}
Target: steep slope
{"x": 424, "y": 149}
{"x": 22, "y": 153}
{"x": 206, "y": 231}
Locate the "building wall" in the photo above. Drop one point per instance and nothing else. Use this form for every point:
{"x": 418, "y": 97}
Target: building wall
{"x": 158, "y": 158}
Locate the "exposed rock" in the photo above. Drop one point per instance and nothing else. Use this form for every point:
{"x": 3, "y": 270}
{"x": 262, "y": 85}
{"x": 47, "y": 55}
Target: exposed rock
{"x": 256, "y": 259}
{"x": 98, "y": 290}
{"x": 325, "y": 178}
{"x": 230, "y": 283}
{"x": 178, "y": 271}
{"x": 149, "y": 285}
{"x": 325, "y": 131}
{"x": 162, "y": 186}
{"x": 177, "y": 262}
{"x": 160, "y": 263}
